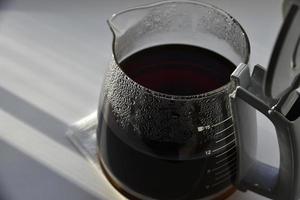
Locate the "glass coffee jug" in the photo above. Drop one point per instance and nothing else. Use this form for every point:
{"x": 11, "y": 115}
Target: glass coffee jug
{"x": 176, "y": 117}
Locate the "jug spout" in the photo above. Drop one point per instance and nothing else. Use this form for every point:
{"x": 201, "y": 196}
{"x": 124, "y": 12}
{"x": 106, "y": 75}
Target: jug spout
{"x": 134, "y": 29}
{"x": 120, "y": 22}
{"x": 114, "y": 29}
{"x": 177, "y": 22}
{"x": 123, "y": 26}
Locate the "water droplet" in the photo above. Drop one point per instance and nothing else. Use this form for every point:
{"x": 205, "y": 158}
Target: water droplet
{"x": 175, "y": 115}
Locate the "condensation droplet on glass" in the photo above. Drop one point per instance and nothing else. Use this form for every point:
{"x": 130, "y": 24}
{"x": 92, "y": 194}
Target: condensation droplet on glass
{"x": 175, "y": 115}
{"x": 156, "y": 18}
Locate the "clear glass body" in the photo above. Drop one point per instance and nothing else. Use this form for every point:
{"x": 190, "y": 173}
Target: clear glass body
{"x": 158, "y": 144}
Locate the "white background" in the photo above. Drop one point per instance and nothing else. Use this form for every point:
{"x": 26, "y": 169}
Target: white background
{"x": 52, "y": 58}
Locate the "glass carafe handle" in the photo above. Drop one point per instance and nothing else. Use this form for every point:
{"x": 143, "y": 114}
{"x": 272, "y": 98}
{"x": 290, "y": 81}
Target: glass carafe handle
{"x": 276, "y": 183}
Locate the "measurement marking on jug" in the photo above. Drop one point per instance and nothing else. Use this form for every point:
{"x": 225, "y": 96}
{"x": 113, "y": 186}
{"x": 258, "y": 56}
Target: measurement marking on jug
{"x": 224, "y": 130}
{"x": 207, "y": 152}
{"x": 230, "y": 167}
{"x": 221, "y": 181}
{"x": 223, "y": 165}
{"x": 227, "y": 175}
{"x": 221, "y": 122}
{"x": 224, "y": 146}
{"x": 207, "y": 127}
{"x": 221, "y": 154}
{"x": 226, "y": 158}
{"x": 224, "y": 138}
{"x": 202, "y": 128}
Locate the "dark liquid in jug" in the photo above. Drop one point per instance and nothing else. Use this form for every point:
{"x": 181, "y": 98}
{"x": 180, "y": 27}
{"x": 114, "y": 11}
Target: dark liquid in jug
{"x": 175, "y": 70}
{"x": 178, "y": 69}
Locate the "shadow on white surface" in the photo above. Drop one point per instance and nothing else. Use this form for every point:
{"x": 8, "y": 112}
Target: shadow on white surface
{"x": 34, "y": 117}
{"x": 29, "y": 182}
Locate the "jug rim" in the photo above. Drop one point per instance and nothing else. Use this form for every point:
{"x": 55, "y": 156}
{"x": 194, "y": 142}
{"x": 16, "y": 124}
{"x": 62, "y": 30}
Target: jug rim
{"x": 216, "y": 91}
